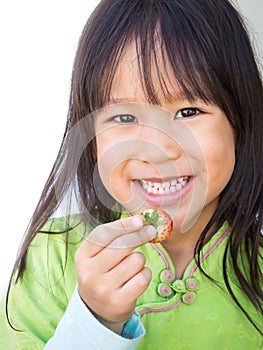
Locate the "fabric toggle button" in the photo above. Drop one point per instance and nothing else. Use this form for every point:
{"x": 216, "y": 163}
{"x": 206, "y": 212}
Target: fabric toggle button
{"x": 167, "y": 276}
{"x": 164, "y": 290}
{"x": 191, "y": 284}
{"x": 179, "y": 286}
{"x": 189, "y": 297}
{"x": 170, "y": 286}
{"x": 187, "y": 288}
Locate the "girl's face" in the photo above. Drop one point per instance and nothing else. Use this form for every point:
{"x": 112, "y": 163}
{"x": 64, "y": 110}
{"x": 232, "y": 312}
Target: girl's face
{"x": 178, "y": 156}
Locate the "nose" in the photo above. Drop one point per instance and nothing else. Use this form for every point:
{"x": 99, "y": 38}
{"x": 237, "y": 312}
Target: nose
{"x": 156, "y": 145}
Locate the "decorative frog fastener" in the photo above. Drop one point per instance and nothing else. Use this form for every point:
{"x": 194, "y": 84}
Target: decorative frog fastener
{"x": 169, "y": 286}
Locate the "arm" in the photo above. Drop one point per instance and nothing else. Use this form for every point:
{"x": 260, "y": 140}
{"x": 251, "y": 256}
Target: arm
{"x": 79, "y": 329}
{"x": 110, "y": 277}
{"x": 38, "y": 302}
{"x": 35, "y": 316}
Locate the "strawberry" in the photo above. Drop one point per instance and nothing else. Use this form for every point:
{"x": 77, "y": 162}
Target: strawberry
{"x": 161, "y": 221}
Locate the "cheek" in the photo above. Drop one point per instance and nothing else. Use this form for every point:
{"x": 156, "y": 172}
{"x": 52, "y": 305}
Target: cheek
{"x": 220, "y": 158}
{"x": 221, "y": 166}
{"x": 112, "y": 158}
{"x": 115, "y": 179}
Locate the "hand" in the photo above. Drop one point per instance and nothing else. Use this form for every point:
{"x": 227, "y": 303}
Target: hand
{"x": 110, "y": 276}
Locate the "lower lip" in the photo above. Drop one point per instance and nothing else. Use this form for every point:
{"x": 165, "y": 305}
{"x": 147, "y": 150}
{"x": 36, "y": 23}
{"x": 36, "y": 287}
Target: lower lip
{"x": 157, "y": 200}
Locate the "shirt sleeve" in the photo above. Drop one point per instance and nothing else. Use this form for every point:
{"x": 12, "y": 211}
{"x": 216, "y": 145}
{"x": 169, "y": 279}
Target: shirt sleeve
{"x": 79, "y": 329}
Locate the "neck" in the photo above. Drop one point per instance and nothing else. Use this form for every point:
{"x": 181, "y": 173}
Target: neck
{"x": 181, "y": 246}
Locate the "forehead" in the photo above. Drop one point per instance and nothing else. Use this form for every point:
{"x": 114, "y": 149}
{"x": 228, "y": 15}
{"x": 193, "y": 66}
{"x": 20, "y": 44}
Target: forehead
{"x": 131, "y": 80}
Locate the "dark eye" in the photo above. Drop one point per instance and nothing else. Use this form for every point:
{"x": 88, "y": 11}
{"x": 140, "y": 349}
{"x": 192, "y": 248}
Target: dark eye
{"x": 187, "y": 113}
{"x": 125, "y": 119}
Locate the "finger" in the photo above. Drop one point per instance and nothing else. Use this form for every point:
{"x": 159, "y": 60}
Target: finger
{"x": 137, "y": 285}
{"x": 114, "y": 279}
{"x": 113, "y": 254}
{"x": 127, "y": 268}
{"x": 134, "y": 239}
{"x": 104, "y": 235}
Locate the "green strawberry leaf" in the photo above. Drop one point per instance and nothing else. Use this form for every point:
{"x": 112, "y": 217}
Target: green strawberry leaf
{"x": 153, "y": 218}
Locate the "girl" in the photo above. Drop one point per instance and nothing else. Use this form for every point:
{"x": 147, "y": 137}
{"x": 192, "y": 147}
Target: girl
{"x": 165, "y": 112}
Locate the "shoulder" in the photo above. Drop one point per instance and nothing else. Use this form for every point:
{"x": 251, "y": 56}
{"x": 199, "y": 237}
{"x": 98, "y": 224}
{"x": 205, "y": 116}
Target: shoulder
{"x": 46, "y": 286}
{"x": 50, "y": 256}
{"x": 58, "y": 238}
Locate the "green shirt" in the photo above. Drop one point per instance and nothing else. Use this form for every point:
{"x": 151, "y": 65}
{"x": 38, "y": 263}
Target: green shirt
{"x": 198, "y": 313}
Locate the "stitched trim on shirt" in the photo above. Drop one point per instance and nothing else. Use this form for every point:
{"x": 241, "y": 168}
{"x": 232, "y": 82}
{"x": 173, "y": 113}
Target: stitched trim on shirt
{"x": 219, "y": 240}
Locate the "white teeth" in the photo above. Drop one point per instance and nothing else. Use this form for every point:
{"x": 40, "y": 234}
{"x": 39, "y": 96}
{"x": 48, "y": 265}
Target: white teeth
{"x": 166, "y": 184}
{"x": 165, "y": 187}
{"x": 149, "y": 189}
{"x": 161, "y": 190}
{"x": 178, "y": 186}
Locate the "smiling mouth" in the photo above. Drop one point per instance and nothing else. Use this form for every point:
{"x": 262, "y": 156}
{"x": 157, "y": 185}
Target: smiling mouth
{"x": 166, "y": 187}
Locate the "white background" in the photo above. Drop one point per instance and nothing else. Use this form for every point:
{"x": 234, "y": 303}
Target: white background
{"x": 38, "y": 40}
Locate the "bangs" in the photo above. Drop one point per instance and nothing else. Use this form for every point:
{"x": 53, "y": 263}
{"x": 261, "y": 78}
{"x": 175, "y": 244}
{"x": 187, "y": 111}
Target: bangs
{"x": 181, "y": 42}
{"x": 168, "y": 46}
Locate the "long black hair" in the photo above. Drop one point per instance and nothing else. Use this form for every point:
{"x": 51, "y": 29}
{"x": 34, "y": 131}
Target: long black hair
{"x": 206, "y": 44}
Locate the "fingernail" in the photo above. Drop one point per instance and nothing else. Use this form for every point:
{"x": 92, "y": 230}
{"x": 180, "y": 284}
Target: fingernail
{"x": 151, "y": 231}
{"x": 137, "y": 221}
